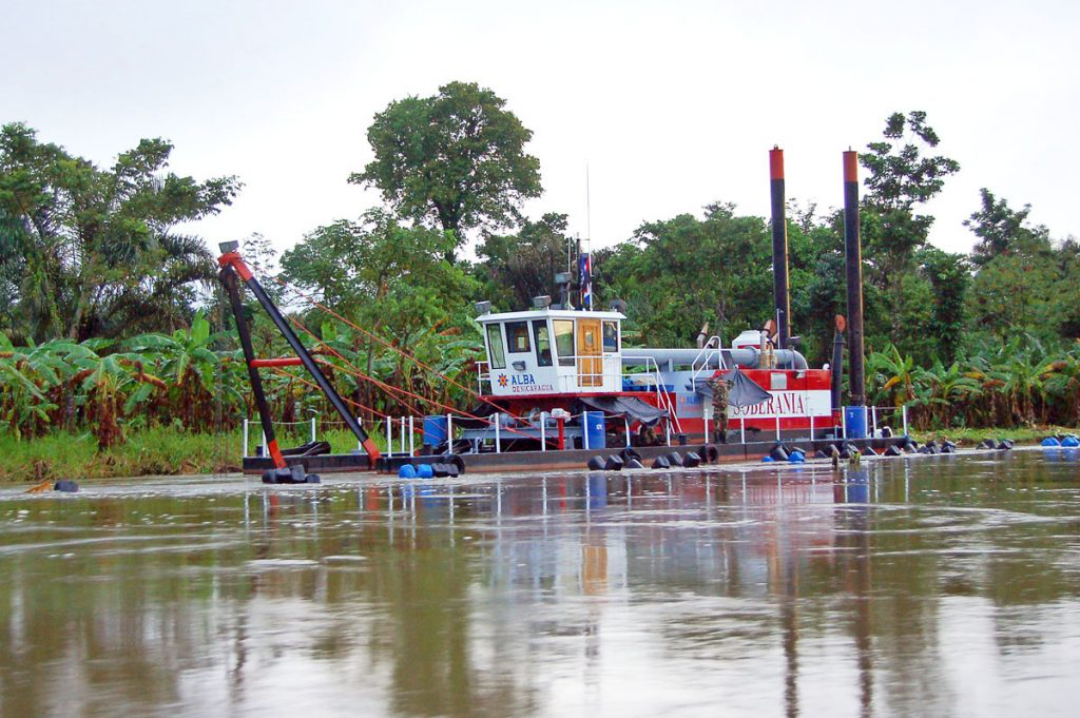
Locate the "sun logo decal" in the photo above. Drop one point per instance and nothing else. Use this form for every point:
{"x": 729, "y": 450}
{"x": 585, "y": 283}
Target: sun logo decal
{"x": 502, "y": 380}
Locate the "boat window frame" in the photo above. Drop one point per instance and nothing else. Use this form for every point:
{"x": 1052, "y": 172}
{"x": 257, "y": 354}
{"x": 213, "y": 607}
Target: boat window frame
{"x": 544, "y": 357}
{"x": 501, "y": 363}
{"x": 614, "y": 325}
{"x": 565, "y": 359}
{"x": 521, "y": 327}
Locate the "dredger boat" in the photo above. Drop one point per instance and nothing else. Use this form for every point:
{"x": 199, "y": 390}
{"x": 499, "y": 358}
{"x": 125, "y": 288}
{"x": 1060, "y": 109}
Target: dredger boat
{"x": 558, "y": 387}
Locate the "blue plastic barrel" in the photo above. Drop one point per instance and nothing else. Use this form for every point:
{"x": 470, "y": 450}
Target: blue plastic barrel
{"x": 434, "y": 430}
{"x": 594, "y": 430}
{"x": 855, "y": 422}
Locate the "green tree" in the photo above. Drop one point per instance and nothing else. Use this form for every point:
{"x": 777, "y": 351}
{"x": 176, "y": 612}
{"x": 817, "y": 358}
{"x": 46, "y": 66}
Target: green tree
{"x": 679, "y": 274}
{"x": 92, "y": 252}
{"x": 1024, "y": 281}
{"x": 901, "y": 178}
{"x": 393, "y": 281}
{"x": 354, "y": 266}
{"x": 949, "y": 279}
{"x": 1018, "y": 285}
{"x": 1068, "y": 294}
{"x": 515, "y": 268}
{"x": 456, "y": 160}
{"x": 1015, "y": 293}
{"x": 1001, "y": 229}
{"x": 819, "y": 283}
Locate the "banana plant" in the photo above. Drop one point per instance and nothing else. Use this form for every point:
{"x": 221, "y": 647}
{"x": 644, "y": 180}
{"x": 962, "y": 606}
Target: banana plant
{"x": 27, "y": 375}
{"x": 1063, "y": 380}
{"x": 1023, "y": 382}
{"x": 892, "y": 376}
{"x": 950, "y": 390}
{"x": 185, "y": 366}
{"x": 102, "y": 385}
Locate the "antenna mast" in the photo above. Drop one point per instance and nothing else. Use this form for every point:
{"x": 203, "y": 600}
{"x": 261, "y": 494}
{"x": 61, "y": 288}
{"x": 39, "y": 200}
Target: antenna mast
{"x": 585, "y": 257}
{"x": 588, "y": 210}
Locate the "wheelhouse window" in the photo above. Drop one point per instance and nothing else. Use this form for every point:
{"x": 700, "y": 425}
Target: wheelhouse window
{"x": 495, "y": 346}
{"x": 543, "y": 342}
{"x": 517, "y": 337}
{"x": 564, "y": 341}
{"x": 611, "y": 337}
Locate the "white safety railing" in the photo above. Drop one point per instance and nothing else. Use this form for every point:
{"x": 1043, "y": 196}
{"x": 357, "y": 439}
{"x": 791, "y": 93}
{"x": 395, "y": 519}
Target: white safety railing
{"x": 587, "y": 376}
{"x": 663, "y": 396}
{"x": 483, "y": 374}
{"x": 880, "y": 417}
{"x": 704, "y": 359}
{"x": 401, "y": 432}
{"x": 502, "y": 427}
{"x": 405, "y": 435}
{"x": 247, "y": 432}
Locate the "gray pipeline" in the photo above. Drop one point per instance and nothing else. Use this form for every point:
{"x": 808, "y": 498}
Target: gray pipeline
{"x": 748, "y": 357}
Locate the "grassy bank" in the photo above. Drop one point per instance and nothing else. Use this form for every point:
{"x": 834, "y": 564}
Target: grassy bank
{"x": 972, "y": 437}
{"x": 152, "y": 451}
{"x": 148, "y": 451}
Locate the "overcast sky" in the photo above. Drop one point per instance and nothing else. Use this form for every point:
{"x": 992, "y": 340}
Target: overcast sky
{"x": 673, "y": 105}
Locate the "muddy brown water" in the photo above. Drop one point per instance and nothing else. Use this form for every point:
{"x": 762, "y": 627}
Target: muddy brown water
{"x": 937, "y": 586}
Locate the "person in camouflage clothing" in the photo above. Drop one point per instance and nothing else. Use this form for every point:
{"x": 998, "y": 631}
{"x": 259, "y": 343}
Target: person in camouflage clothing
{"x": 720, "y": 390}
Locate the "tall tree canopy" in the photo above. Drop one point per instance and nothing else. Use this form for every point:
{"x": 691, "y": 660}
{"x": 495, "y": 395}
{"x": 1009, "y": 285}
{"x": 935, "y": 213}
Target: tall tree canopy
{"x": 1022, "y": 282}
{"x": 456, "y": 160}
{"x": 902, "y": 176}
{"x": 515, "y": 268}
{"x": 395, "y": 282}
{"x": 679, "y": 273}
{"x": 1001, "y": 229}
{"x": 380, "y": 273}
{"x": 89, "y": 252}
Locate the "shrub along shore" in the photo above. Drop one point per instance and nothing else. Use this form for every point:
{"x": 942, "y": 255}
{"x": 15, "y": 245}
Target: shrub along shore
{"x": 172, "y": 451}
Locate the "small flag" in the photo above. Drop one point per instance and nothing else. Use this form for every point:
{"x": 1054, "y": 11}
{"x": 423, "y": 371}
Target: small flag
{"x": 585, "y": 267}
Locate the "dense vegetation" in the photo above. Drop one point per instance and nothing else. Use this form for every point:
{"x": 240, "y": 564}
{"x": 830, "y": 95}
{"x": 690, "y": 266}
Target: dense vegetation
{"x": 113, "y": 323}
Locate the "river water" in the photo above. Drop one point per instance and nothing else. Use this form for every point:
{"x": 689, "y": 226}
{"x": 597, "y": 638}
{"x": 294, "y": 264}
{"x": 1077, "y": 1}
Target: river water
{"x": 936, "y": 586}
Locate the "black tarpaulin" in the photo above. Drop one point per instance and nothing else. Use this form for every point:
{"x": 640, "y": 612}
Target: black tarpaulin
{"x": 743, "y": 390}
{"x": 628, "y": 406}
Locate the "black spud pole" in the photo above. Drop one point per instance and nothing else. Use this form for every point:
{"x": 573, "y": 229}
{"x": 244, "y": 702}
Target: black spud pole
{"x": 781, "y": 292}
{"x": 853, "y": 257}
